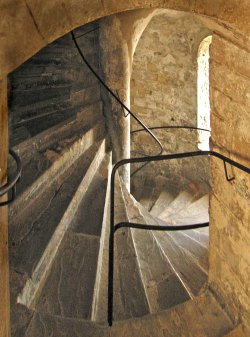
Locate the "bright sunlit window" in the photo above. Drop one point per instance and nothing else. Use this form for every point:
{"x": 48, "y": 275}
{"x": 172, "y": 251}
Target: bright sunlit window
{"x": 203, "y": 118}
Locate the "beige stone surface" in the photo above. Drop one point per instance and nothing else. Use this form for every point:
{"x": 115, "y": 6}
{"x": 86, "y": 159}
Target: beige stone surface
{"x": 164, "y": 92}
{"x": 26, "y": 26}
{"x": 4, "y": 264}
{"x": 239, "y": 331}
{"x": 229, "y": 204}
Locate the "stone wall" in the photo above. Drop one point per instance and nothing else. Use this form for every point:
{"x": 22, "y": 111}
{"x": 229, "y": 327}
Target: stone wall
{"x": 53, "y": 85}
{"x": 164, "y": 92}
{"x": 230, "y": 212}
{"x": 40, "y": 23}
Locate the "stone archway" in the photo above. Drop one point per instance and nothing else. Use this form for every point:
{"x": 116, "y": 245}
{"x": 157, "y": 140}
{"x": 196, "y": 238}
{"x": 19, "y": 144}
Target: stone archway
{"x": 27, "y": 26}
{"x": 39, "y": 23}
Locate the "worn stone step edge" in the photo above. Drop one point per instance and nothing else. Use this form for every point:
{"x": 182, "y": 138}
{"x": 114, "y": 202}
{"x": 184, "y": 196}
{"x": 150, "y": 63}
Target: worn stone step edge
{"x": 155, "y": 221}
{"x": 149, "y": 219}
{"x": 130, "y": 202}
{"x": 82, "y": 98}
{"x": 33, "y": 285}
{"x": 182, "y": 201}
{"x": 210, "y": 321}
{"x": 154, "y": 305}
{"x": 188, "y": 233}
{"x": 187, "y": 252}
{"x": 144, "y": 215}
{"x": 163, "y": 199}
{"x": 99, "y": 305}
{"x": 83, "y": 120}
{"x": 25, "y": 199}
{"x": 142, "y": 306}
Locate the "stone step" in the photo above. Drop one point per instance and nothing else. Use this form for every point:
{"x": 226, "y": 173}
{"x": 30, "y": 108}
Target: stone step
{"x": 89, "y": 216}
{"x": 36, "y": 259}
{"x": 79, "y": 249}
{"x": 50, "y": 81}
{"x": 164, "y": 199}
{"x": 162, "y": 286}
{"x": 187, "y": 240}
{"x": 199, "y": 236}
{"x": 100, "y": 300}
{"x": 48, "y": 115}
{"x": 183, "y": 200}
{"x": 185, "y": 264}
{"x": 129, "y": 294}
{"x": 198, "y": 252}
{"x": 196, "y": 212}
{"x": 68, "y": 291}
{"x": 82, "y": 121}
{"x": 80, "y": 98}
{"x": 46, "y": 325}
{"x": 200, "y": 317}
{"x": 58, "y": 158}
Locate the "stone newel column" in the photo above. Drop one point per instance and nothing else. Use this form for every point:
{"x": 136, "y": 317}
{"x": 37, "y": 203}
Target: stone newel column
{"x": 115, "y": 64}
{"x": 119, "y": 35}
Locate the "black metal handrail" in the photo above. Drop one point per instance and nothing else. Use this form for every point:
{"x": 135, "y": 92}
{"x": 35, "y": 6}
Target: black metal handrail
{"x": 11, "y": 185}
{"x": 116, "y": 97}
{"x": 114, "y": 228}
{"x": 171, "y": 127}
{"x": 187, "y": 127}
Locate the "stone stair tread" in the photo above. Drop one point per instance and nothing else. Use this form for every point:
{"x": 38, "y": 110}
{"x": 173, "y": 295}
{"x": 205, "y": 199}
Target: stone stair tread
{"x": 69, "y": 288}
{"x": 46, "y": 325}
{"x": 178, "y": 204}
{"x": 129, "y": 294}
{"x": 88, "y": 218}
{"x": 198, "y": 252}
{"x": 196, "y": 212}
{"x": 201, "y": 317}
{"x": 164, "y": 199}
{"x": 40, "y": 226}
{"x": 162, "y": 286}
{"x": 210, "y": 321}
{"x": 100, "y": 300}
{"x": 185, "y": 266}
{"x": 189, "y": 240}
{"x": 177, "y": 246}
{"x": 38, "y": 154}
{"x": 70, "y": 154}
{"x": 33, "y": 125}
{"x": 199, "y": 236}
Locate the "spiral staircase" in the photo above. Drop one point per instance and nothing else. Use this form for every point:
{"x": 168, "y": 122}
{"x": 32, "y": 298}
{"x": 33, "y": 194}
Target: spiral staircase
{"x": 59, "y": 245}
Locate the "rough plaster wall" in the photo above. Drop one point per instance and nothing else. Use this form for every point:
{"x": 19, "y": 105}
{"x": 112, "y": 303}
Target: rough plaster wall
{"x": 53, "y": 85}
{"x": 229, "y": 273}
{"x": 164, "y": 92}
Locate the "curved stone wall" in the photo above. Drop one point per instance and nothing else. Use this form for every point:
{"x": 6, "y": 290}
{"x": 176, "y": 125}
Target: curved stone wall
{"x": 28, "y": 25}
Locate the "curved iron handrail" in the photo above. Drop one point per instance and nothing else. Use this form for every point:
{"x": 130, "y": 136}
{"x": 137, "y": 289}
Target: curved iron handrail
{"x": 114, "y": 228}
{"x": 172, "y": 127}
{"x": 145, "y": 128}
{"x": 159, "y": 228}
{"x": 164, "y": 127}
{"x": 12, "y": 184}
